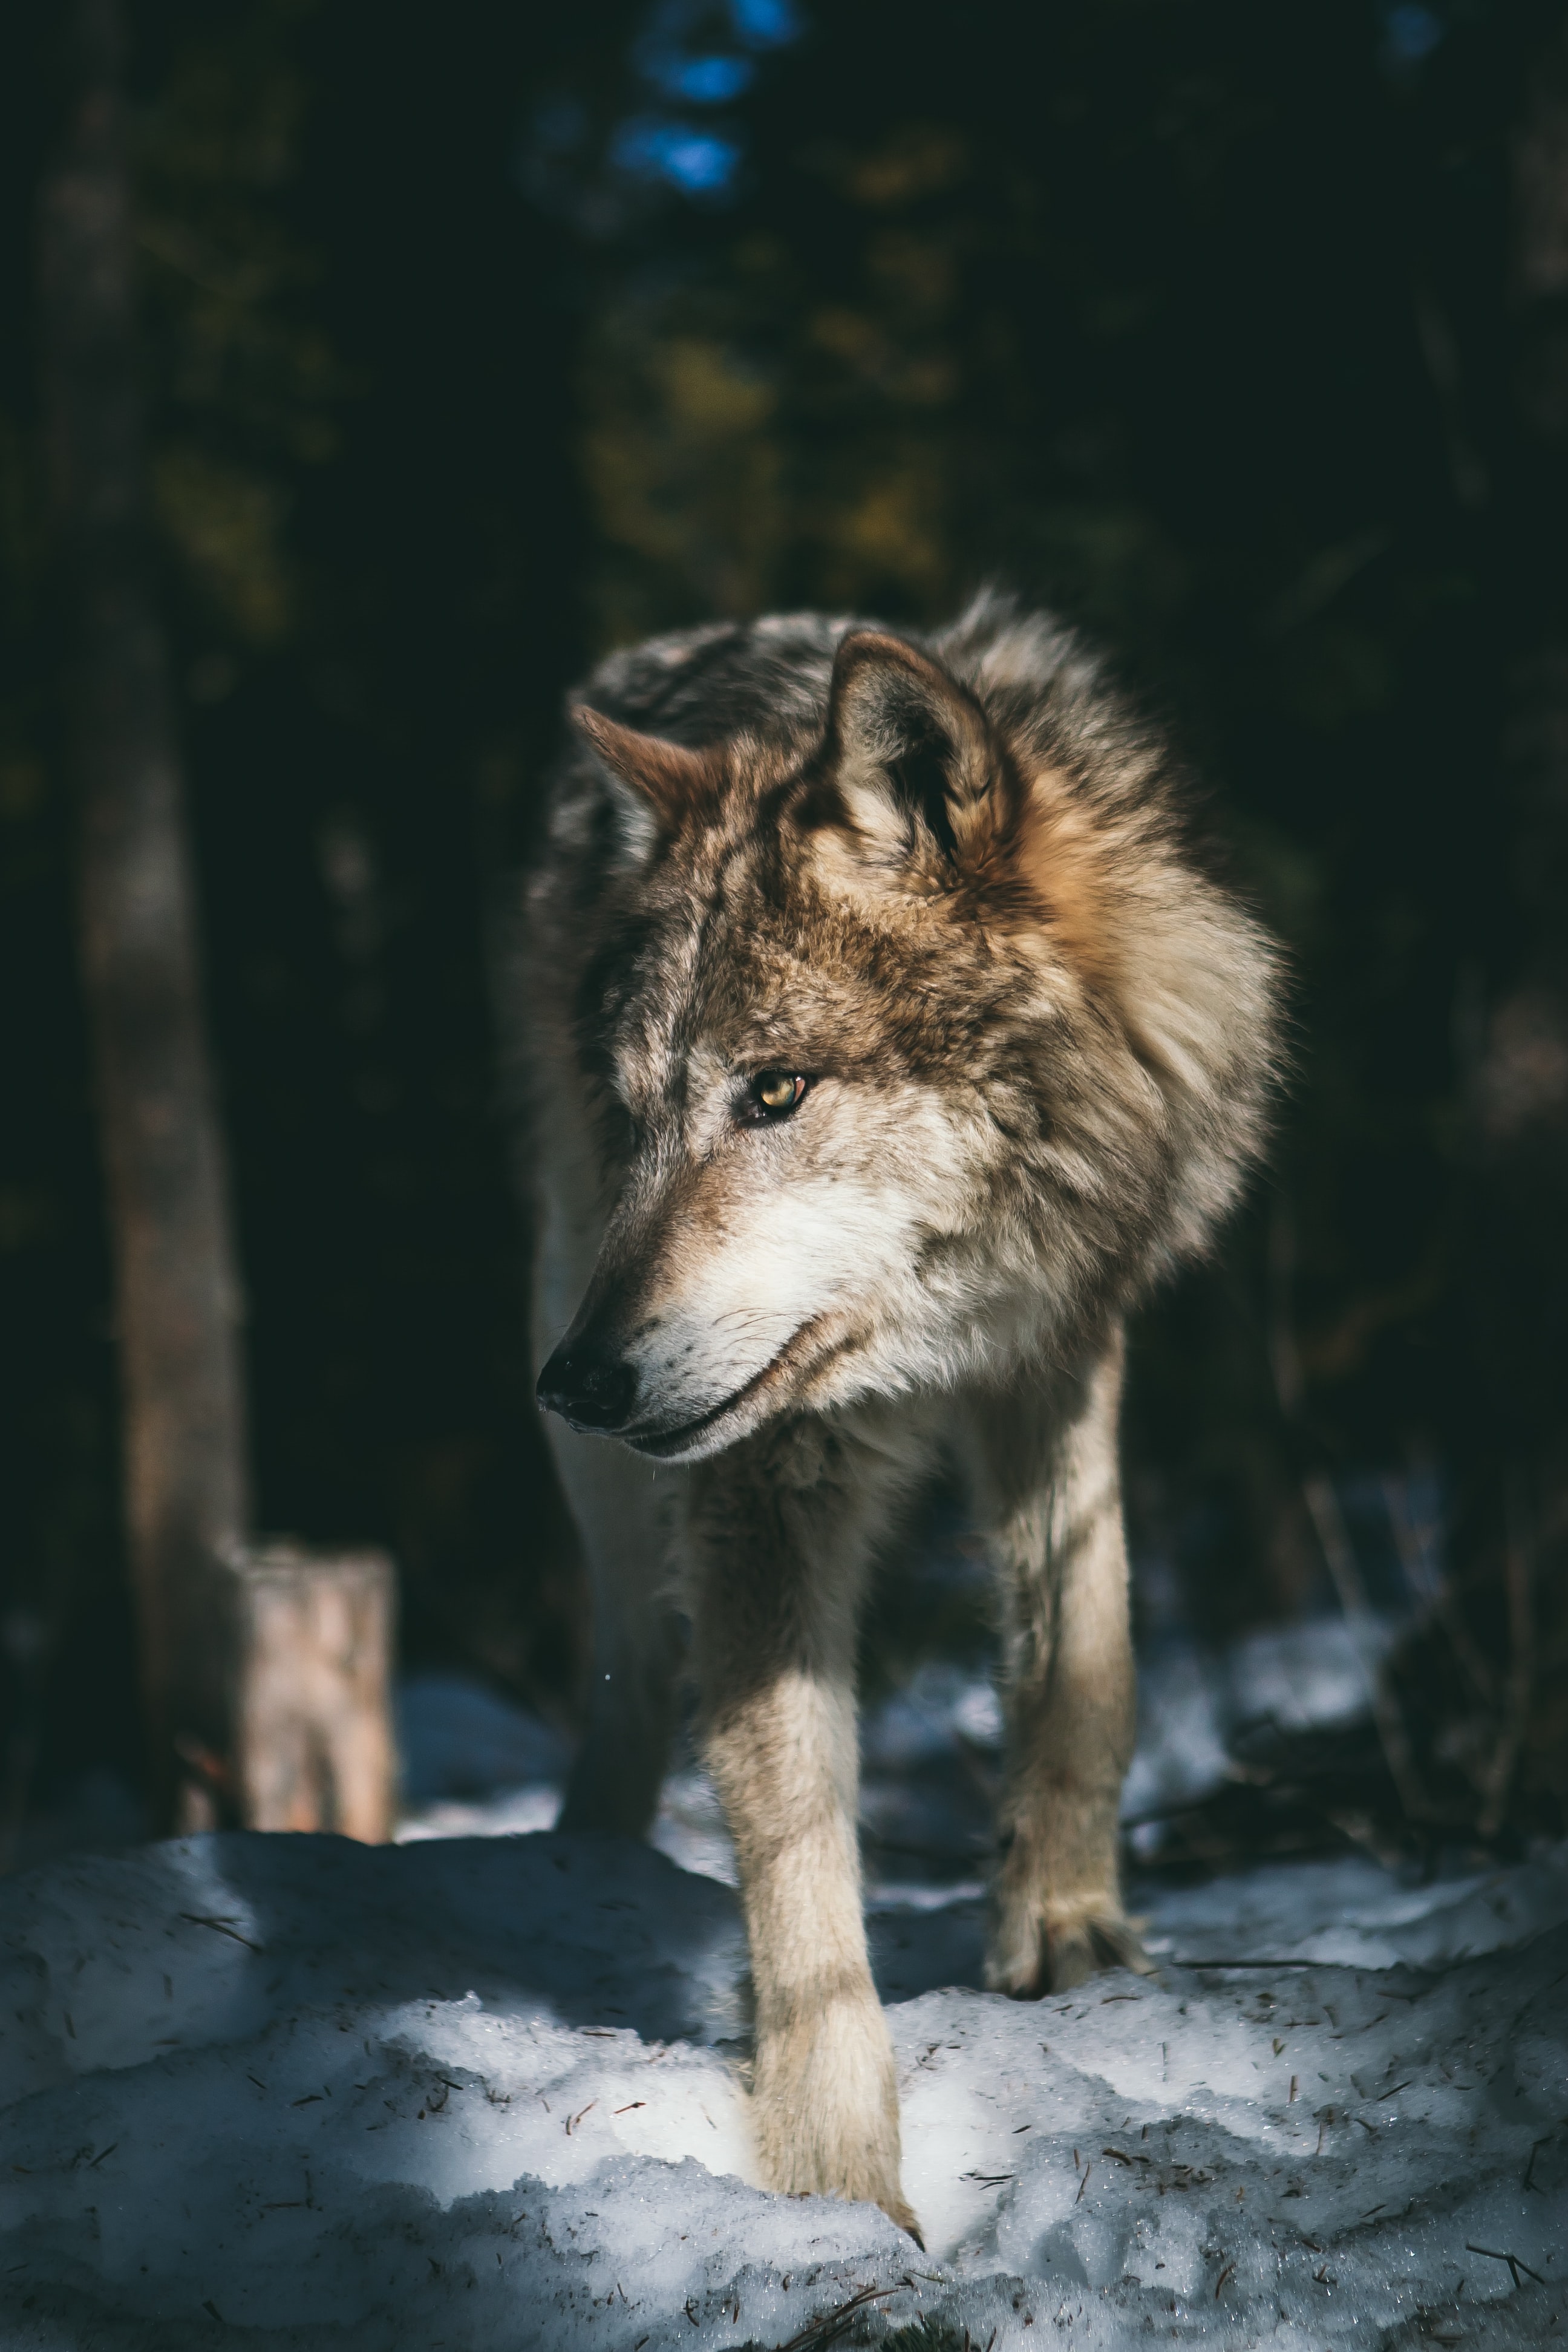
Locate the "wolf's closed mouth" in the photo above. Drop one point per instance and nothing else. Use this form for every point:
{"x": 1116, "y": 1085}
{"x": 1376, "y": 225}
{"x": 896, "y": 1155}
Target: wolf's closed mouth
{"x": 663, "y": 1443}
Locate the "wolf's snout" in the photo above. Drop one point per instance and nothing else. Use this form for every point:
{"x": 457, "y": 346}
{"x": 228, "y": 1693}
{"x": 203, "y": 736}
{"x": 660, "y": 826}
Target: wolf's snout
{"x": 590, "y": 1387}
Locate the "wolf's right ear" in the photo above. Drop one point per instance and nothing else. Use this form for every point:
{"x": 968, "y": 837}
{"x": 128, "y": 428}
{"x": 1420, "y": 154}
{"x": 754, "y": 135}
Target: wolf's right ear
{"x": 669, "y": 777}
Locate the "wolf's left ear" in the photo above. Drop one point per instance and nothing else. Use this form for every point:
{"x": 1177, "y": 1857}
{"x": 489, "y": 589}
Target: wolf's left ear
{"x": 670, "y": 778}
{"x": 908, "y": 749}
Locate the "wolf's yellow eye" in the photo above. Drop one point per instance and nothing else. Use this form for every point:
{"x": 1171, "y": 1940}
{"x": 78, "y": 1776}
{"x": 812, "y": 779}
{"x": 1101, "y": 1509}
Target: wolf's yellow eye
{"x": 776, "y": 1091}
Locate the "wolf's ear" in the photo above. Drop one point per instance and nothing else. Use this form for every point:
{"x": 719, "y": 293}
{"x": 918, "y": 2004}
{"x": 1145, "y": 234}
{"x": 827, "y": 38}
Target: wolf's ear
{"x": 907, "y": 747}
{"x": 671, "y": 777}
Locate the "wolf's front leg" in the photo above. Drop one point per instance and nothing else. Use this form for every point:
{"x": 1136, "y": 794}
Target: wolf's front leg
{"x": 1051, "y": 1479}
{"x": 779, "y": 1533}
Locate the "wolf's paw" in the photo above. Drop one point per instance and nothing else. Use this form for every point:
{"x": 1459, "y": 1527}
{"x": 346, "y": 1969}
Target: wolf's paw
{"x": 1058, "y": 1944}
{"x": 825, "y": 2110}
{"x": 1102, "y": 1940}
{"x": 897, "y": 2211}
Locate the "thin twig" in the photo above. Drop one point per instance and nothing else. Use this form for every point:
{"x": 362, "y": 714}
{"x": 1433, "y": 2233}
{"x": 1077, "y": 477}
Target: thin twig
{"x": 1324, "y": 1507}
{"x": 1518, "y": 1548}
{"x": 817, "y": 2334}
{"x": 1343, "y": 1567}
{"x": 1437, "y": 1589}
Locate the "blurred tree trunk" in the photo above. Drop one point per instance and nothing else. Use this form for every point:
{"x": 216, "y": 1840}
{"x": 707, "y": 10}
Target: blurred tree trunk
{"x": 177, "y": 1303}
{"x": 1521, "y": 1079}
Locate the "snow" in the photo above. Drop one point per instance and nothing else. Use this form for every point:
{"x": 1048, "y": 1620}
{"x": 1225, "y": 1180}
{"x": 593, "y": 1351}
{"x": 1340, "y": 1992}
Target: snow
{"x": 290, "y": 2092}
{"x": 1193, "y": 1703}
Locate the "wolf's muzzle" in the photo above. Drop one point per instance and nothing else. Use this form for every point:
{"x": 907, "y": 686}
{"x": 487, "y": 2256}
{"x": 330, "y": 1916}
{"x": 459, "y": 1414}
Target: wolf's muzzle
{"x": 591, "y": 1389}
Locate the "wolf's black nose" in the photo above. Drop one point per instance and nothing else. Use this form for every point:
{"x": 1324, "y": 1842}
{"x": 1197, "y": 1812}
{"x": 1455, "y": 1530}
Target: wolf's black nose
{"x": 588, "y": 1387}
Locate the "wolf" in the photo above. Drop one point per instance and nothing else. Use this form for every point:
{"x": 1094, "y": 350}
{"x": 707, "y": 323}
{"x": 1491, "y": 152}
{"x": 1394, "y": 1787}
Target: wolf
{"x": 887, "y": 1041}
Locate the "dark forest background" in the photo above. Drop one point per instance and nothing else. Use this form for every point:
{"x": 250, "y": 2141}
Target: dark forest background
{"x": 478, "y": 338}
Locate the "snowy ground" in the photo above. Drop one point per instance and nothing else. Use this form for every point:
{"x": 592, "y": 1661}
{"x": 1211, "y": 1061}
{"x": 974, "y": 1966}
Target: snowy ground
{"x": 290, "y": 2092}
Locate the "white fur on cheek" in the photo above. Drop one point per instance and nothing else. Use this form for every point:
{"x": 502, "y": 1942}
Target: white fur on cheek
{"x": 794, "y": 1252}
{"x": 823, "y": 1218}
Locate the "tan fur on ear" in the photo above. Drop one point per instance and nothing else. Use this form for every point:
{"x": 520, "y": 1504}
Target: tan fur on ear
{"x": 671, "y": 777}
{"x": 890, "y": 703}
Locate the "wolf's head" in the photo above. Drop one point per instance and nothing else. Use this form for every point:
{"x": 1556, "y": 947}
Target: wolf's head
{"x": 927, "y": 1046}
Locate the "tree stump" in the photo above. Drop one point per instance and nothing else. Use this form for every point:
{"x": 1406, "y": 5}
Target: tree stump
{"x": 311, "y": 1643}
